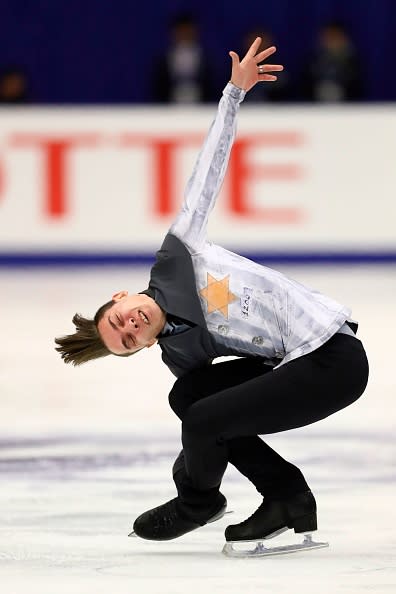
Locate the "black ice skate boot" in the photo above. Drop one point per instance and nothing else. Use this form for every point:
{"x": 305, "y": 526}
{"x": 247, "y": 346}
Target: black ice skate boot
{"x": 171, "y": 519}
{"x": 274, "y": 517}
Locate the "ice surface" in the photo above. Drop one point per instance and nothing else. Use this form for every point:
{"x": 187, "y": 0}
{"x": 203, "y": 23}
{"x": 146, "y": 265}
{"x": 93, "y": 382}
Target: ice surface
{"x": 83, "y": 451}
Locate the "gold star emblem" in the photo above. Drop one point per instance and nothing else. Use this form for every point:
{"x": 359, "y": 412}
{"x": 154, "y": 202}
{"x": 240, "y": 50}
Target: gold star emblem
{"x": 218, "y": 295}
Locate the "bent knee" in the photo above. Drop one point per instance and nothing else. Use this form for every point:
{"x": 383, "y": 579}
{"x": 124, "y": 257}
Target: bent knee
{"x": 175, "y": 402}
{"x": 178, "y": 396}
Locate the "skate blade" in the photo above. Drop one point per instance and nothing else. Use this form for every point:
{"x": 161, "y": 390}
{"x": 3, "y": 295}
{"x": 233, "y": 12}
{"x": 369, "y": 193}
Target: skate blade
{"x": 218, "y": 516}
{"x": 134, "y": 535}
{"x": 262, "y": 551}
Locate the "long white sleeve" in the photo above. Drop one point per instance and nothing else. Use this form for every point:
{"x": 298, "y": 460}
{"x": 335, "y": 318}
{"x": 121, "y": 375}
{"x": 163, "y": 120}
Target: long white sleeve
{"x": 208, "y": 174}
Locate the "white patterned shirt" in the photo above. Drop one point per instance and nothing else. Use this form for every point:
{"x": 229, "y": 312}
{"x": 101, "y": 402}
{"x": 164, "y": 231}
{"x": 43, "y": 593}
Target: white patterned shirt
{"x": 248, "y": 307}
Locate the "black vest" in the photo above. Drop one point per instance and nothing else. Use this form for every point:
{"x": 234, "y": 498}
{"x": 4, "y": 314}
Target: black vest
{"x": 172, "y": 285}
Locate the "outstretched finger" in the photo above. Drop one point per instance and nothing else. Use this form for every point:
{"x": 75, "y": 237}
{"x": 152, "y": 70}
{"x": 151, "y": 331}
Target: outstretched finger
{"x": 263, "y": 55}
{"x": 269, "y": 77}
{"x": 253, "y": 48}
{"x": 234, "y": 57}
{"x": 271, "y": 67}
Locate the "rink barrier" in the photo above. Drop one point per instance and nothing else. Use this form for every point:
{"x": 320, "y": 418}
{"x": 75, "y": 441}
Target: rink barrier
{"x": 81, "y": 186}
{"x": 61, "y": 259}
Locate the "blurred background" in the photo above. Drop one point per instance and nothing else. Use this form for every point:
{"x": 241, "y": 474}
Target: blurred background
{"x": 103, "y": 107}
{"x": 54, "y": 52}
{"x": 103, "y": 110}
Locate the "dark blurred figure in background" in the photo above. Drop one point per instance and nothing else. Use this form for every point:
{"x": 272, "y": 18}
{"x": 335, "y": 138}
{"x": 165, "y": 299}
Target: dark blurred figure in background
{"x": 334, "y": 72}
{"x": 278, "y": 91}
{"x": 183, "y": 73}
{"x": 13, "y": 86}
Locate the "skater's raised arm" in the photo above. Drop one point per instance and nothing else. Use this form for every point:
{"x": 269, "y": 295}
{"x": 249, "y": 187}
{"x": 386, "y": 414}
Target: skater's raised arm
{"x": 208, "y": 174}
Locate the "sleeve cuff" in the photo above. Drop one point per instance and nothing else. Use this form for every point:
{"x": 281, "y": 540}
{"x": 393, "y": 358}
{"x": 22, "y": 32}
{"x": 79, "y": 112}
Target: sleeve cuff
{"x": 234, "y": 92}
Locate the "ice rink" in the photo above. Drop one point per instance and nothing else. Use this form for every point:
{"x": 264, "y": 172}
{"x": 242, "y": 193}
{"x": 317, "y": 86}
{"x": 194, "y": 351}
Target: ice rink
{"x": 84, "y": 451}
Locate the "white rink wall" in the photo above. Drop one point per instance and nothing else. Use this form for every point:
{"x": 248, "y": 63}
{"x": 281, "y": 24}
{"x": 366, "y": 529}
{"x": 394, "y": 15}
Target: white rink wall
{"x": 109, "y": 181}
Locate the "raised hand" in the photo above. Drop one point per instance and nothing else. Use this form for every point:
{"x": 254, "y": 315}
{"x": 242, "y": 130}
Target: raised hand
{"x": 246, "y": 73}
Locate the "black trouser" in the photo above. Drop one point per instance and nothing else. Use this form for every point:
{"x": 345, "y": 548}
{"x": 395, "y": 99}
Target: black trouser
{"x": 224, "y": 407}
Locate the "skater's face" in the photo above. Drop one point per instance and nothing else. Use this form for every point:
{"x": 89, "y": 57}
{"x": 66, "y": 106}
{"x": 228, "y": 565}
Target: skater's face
{"x": 131, "y": 323}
